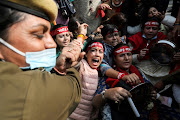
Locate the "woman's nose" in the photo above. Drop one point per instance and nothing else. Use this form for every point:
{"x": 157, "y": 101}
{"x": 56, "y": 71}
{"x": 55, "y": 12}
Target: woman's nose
{"x": 49, "y": 42}
{"x": 97, "y": 53}
{"x": 114, "y": 36}
{"x": 66, "y": 38}
{"x": 126, "y": 57}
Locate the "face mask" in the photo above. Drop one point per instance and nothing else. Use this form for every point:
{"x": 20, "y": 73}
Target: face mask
{"x": 45, "y": 58}
{"x": 151, "y": 38}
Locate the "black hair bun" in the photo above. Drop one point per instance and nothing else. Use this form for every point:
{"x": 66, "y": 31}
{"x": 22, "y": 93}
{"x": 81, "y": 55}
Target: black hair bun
{"x": 4, "y": 14}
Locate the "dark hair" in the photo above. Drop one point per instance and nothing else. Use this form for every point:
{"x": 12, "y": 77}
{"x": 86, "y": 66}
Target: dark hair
{"x": 55, "y": 27}
{"x": 118, "y": 19}
{"x": 145, "y": 12}
{"x": 151, "y": 19}
{"x": 119, "y": 45}
{"x": 8, "y": 17}
{"x": 72, "y": 24}
{"x": 90, "y": 42}
{"x": 54, "y": 37}
{"x": 108, "y": 28}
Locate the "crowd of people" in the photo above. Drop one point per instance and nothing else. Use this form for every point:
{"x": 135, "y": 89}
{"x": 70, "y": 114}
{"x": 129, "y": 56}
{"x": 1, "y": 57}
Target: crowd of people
{"x": 54, "y": 67}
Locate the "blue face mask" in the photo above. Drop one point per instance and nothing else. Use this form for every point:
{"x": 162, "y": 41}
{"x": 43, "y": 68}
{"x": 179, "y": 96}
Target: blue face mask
{"x": 45, "y": 58}
{"x": 151, "y": 38}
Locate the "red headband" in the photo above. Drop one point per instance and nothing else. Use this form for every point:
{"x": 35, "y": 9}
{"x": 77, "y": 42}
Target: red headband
{"x": 110, "y": 33}
{"x": 151, "y": 23}
{"x": 59, "y": 30}
{"x": 95, "y": 44}
{"x": 122, "y": 49}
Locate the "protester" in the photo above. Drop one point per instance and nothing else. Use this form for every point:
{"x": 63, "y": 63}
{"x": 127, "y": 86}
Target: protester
{"x": 89, "y": 79}
{"x": 149, "y": 103}
{"x": 26, "y": 45}
{"x": 123, "y": 61}
{"x": 61, "y": 36}
{"x": 140, "y": 44}
{"x": 110, "y": 39}
{"x": 166, "y": 20}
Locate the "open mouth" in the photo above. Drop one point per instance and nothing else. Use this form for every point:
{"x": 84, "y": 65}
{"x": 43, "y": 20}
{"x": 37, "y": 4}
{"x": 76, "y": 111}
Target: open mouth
{"x": 95, "y": 60}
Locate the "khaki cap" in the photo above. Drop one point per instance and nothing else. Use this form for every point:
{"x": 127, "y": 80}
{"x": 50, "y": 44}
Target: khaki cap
{"x": 46, "y": 9}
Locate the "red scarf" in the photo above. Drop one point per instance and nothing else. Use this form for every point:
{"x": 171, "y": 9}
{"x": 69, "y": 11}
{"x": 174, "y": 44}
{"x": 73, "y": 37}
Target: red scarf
{"x": 112, "y": 82}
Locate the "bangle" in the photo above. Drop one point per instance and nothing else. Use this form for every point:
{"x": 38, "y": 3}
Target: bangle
{"x": 120, "y": 75}
{"x": 81, "y": 36}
